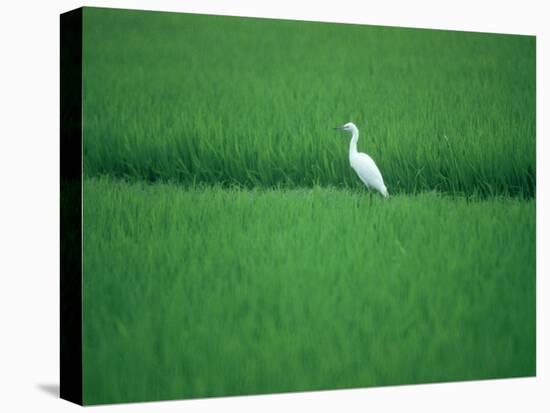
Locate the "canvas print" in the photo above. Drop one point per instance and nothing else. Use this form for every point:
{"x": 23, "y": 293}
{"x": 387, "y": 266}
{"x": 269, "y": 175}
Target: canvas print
{"x": 284, "y": 206}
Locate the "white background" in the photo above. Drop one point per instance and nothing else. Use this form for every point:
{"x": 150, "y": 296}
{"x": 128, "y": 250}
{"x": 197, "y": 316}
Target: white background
{"x": 29, "y": 206}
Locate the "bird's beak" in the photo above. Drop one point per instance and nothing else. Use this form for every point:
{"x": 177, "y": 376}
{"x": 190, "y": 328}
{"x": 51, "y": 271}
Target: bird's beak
{"x": 339, "y": 127}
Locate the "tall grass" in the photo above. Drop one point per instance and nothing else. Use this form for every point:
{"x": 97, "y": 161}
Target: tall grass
{"x": 229, "y": 248}
{"x": 224, "y": 100}
{"x": 211, "y": 292}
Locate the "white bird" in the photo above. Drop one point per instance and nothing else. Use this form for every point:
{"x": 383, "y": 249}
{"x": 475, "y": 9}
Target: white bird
{"x": 362, "y": 163}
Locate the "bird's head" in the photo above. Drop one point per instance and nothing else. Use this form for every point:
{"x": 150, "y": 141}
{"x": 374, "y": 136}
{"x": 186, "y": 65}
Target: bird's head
{"x": 350, "y": 127}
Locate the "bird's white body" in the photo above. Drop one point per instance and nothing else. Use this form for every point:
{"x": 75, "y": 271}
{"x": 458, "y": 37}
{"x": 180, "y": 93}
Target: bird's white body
{"x": 363, "y": 164}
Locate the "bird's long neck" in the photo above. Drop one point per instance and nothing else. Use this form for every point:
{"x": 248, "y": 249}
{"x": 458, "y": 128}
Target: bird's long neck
{"x": 353, "y": 143}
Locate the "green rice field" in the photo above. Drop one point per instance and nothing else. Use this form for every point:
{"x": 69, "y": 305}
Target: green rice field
{"x": 230, "y": 249}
